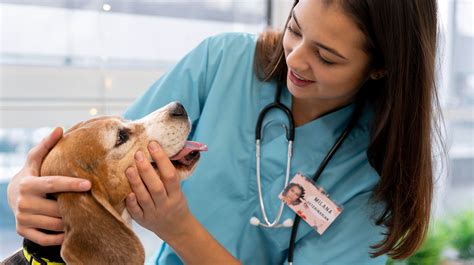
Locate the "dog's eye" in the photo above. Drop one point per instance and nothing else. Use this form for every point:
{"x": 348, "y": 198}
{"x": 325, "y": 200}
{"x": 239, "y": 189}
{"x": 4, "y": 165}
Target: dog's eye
{"x": 122, "y": 137}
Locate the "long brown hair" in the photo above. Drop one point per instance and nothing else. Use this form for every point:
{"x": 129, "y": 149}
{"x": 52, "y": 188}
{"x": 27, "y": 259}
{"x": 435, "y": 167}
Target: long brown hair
{"x": 401, "y": 37}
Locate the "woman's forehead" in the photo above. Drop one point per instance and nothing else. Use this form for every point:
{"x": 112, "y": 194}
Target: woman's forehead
{"x": 326, "y": 22}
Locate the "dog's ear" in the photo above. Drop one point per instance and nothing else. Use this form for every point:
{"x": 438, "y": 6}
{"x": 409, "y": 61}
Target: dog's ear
{"x": 95, "y": 233}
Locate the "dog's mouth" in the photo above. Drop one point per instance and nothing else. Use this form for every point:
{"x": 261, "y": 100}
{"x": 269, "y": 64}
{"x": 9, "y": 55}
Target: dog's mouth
{"x": 188, "y": 156}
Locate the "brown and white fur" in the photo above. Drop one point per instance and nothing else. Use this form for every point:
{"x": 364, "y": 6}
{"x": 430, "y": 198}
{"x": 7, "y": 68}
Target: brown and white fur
{"x": 97, "y": 229}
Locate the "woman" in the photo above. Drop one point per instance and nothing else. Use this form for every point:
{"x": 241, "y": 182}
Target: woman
{"x": 332, "y": 56}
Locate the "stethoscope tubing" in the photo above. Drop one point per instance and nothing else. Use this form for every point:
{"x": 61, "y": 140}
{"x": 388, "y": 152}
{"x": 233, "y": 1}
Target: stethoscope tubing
{"x": 290, "y": 135}
{"x": 259, "y": 186}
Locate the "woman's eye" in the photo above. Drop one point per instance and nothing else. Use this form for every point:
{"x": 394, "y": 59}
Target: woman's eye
{"x": 318, "y": 55}
{"x": 322, "y": 59}
{"x": 291, "y": 30}
{"x": 122, "y": 137}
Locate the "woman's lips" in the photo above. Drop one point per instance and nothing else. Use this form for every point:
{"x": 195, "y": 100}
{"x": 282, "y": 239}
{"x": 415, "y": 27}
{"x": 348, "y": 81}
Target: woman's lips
{"x": 297, "y": 81}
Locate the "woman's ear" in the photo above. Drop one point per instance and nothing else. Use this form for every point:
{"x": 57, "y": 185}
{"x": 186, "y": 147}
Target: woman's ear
{"x": 378, "y": 74}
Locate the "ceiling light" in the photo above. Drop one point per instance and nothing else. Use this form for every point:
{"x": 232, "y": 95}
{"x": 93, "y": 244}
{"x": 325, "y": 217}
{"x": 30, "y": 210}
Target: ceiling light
{"x": 93, "y": 111}
{"x": 106, "y": 7}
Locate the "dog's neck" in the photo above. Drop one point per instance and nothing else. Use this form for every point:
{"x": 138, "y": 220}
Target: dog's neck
{"x": 52, "y": 253}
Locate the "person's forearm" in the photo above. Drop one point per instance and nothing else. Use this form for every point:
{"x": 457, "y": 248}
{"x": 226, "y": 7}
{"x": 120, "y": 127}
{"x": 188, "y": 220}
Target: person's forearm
{"x": 196, "y": 246}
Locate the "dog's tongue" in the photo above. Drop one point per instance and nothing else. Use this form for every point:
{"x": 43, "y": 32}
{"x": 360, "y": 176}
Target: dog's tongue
{"x": 188, "y": 148}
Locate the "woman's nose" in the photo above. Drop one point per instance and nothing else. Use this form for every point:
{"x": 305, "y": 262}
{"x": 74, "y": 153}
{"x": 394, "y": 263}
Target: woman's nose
{"x": 297, "y": 58}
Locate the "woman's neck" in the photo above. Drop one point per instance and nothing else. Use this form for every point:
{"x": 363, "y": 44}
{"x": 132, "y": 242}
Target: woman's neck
{"x": 307, "y": 110}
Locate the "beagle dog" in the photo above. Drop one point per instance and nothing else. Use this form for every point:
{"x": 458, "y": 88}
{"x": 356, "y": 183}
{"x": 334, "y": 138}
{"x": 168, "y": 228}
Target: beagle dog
{"x": 97, "y": 225}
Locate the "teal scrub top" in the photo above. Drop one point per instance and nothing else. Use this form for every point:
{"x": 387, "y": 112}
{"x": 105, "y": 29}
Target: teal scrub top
{"x": 223, "y": 97}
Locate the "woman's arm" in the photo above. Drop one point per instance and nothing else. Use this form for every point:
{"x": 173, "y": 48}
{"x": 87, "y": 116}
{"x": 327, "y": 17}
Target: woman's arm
{"x": 158, "y": 204}
{"x": 27, "y": 195}
{"x": 196, "y": 246}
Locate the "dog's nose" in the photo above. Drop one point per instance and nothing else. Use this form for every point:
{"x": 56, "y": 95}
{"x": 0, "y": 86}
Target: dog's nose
{"x": 177, "y": 110}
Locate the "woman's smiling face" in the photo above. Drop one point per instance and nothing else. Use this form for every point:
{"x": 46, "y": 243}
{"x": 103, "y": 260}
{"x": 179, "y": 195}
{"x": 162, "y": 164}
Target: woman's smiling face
{"x": 324, "y": 51}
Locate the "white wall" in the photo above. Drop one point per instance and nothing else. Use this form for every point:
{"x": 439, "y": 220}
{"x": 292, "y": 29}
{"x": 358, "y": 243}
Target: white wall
{"x": 58, "y": 65}
{"x": 60, "y": 96}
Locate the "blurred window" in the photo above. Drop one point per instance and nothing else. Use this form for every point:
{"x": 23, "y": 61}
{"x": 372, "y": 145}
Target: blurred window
{"x": 459, "y": 105}
{"x": 117, "y": 33}
{"x": 63, "y": 61}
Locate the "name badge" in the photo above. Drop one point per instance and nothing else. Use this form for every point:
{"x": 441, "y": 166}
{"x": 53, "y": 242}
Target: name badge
{"x": 310, "y": 202}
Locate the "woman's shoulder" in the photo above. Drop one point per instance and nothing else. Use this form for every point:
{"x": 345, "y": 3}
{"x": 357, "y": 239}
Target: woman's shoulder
{"x": 229, "y": 55}
{"x": 232, "y": 45}
{"x": 233, "y": 39}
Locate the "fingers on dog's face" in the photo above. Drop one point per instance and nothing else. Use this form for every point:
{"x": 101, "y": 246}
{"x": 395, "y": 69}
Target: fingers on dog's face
{"x": 142, "y": 195}
{"x": 150, "y": 177}
{"x": 168, "y": 172}
{"x": 133, "y": 207}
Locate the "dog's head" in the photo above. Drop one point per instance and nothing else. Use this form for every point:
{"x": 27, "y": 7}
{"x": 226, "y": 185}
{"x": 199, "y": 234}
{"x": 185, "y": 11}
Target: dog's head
{"x": 100, "y": 150}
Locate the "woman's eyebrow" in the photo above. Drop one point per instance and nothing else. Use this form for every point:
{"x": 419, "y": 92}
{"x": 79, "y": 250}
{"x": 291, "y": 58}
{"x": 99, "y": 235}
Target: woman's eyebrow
{"x": 318, "y": 44}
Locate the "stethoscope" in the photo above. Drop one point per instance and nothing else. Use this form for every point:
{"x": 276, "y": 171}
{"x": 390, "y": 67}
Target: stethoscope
{"x": 290, "y": 136}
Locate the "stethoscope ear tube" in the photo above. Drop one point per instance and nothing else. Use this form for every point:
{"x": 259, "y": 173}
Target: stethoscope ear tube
{"x": 290, "y": 133}
{"x": 352, "y": 122}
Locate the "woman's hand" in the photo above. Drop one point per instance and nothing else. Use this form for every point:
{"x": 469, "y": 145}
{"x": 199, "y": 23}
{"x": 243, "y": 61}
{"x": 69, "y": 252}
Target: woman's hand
{"x": 27, "y": 195}
{"x": 157, "y": 202}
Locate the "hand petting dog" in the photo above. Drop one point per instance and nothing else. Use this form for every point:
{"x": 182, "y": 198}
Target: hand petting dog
{"x": 157, "y": 202}
{"x": 30, "y": 206}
